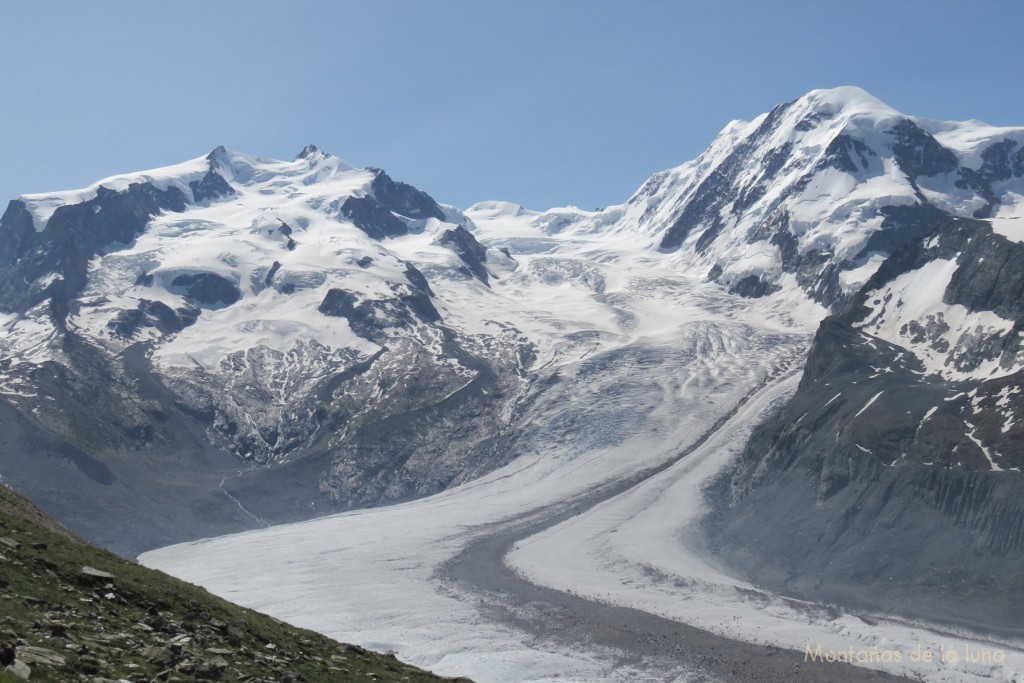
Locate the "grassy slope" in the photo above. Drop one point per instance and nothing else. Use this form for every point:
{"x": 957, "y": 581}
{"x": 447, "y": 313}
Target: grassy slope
{"x": 144, "y": 625}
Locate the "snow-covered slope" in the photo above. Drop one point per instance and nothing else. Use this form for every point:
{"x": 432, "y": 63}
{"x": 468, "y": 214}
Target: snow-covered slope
{"x": 312, "y": 336}
{"x": 816, "y": 193}
{"x": 651, "y": 387}
{"x": 304, "y": 315}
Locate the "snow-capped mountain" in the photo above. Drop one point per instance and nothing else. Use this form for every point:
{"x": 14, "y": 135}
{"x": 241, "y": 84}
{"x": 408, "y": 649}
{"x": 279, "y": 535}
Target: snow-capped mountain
{"x": 244, "y": 340}
{"x": 281, "y": 310}
{"x": 816, "y": 193}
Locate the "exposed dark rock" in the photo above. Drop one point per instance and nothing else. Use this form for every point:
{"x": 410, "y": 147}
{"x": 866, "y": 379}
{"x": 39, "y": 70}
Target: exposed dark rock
{"x": 918, "y": 153}
{"x": 990, "y": 276}
{"x": 375, "y": 214}
{"x": 773, "y": 162}
{"x": 208, "y": 289}
{"x": 753, "y": 287}
{"x": 847, "y": 154}
{"x": 286, "y": 230}
{"x": 276, "y": 266}
{"x": 369, "y": 317}
{"x": 16, "y": 231}
{"x": 472, "y": 253}
{"x": 417, "y": 279}
{"x": 902, "y": 224}
{"x": 404, "y": 199}
{"x": 211, "y": 186}
{"x": 71, "y": 238}
{"x": 308, "y": 151}
{"x": 813, "y": 119}
{"x": 339, "y": 304}
{"x": 367, "y": 214}
{"x": 996, "y": 166}
{"x": 418, "y": 301}
{"x": 153, "y": 314}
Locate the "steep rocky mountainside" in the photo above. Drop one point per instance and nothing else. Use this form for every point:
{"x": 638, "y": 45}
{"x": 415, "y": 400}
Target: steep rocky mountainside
{"x": 72, "y": 612}
{"x": 892, "y": 479}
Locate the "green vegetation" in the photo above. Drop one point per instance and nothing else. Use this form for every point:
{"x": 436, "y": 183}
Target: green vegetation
{"x": 72, "y": 612}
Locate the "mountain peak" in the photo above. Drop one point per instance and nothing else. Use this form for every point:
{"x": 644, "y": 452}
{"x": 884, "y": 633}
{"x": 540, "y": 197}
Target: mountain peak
{"x": 848, "y": 99}
{"x": 218, "y": 156}
{"x": 311, "y": 151}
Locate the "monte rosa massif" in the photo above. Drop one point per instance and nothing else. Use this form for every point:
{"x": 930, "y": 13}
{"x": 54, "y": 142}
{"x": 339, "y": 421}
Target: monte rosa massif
{"x": 774, "y": 398}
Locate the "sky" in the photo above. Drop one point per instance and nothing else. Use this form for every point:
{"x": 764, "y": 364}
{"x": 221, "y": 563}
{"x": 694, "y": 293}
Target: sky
{"x": 540, "y": 102}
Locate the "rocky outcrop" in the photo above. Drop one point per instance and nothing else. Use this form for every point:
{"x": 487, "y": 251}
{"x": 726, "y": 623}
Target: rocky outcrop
{"x": 379, "y": 213}
{"x": 377, "y": 221}
{"x": 892, "y": 482}
{"x": 76, "y": 613}
{"x": 208, "y": 289}
{"x": 402, "y": 198}
{"x": 472, "y": 253}
{"x": 372, "y": 318}
{"x": 154, "y": 314}
{"x": 56, "y": 258}
{"x": 210, "y": 187}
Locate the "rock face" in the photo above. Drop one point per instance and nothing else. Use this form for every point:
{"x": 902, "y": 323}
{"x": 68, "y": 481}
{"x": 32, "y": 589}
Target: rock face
{"x": 72, "y": 236}
{"x": 473, "y": 255}
{"x": 377, "y": 212}
{"x": 892, "y": 479}
{"x": 208, "y": 289}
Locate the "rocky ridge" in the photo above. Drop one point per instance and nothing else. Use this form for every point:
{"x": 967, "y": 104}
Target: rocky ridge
{"x": 892, "y": 479}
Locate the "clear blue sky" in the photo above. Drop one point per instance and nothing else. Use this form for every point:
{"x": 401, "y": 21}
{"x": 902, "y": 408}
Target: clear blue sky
{"x": 544, "y": 103}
